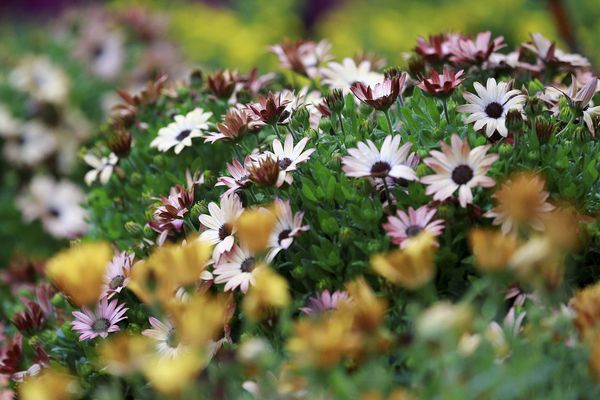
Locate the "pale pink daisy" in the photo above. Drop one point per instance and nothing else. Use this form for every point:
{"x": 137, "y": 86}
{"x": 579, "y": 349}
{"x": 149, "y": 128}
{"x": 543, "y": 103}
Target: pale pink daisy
{"x": 403, "y": 226}
{"x": 288, "y": 227}
{"x": 289, "y": 156}
{"x": 117, "y": 273}
{"x": 236, "y": 269}
{"x": 391, "y": 161}
{"x": 458, "y": 167}
{"x": 489, "y": 109}
{"x": 165, "y": 336}
{"x": 100, "y": 322}
{"x": 326, "y": 301}
{"x": 239, "y": 179}
{"x": 220, "y": 224}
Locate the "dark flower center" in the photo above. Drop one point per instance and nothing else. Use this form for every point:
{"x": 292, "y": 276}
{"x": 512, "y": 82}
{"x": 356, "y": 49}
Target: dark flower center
{"x": 248, "y": 264}
{"x": 462, "y": 174}
{"x": 54, "y": 212}
{"x": 284, "y": 163}
{"x": 380, "y": 169}
{"x": 494, "y": 110}
{"x": 172, "y": 340}
{"x": 413, "y": 230}
{"x": 97, "y": 51}
{"x": 284, "y": 234}
{"x": 224, "y": 231}
{"x": 183, "y": 134}
{"x": 100, "y": 325}
{"x": 116, "y": 282}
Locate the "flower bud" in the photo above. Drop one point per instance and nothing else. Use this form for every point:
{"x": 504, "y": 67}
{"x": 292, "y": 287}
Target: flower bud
{"x": 201, "y": 207}
{"x": 133, "y": 228}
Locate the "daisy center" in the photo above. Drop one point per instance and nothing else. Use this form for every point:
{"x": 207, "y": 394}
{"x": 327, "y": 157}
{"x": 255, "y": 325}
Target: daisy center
{"x": 413, "y": 230}
{"x": 248, "y": 264}
{"x": 97, "y": 51}
{"x": 54, "y": 212}
{"x": 100, "y": 325}
{"x": 380, "y": 169}
{"x": 183, "y": 134}
{"x": 224, "y": 231}
{"x": 116, "y": 282}
{"x": 494, "y": 110}
{"x": 172, "y": 340}
{"x": 462, "y": 174}
{"x": 284, "y": 234}
{"x": 284, "y": 163}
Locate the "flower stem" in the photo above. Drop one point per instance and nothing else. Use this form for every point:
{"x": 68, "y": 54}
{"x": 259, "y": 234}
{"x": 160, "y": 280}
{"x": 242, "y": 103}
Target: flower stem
{"x": 445, "y": 104}
{"x": 387, "y": 193}
{"x": 389, "y": 121}
{"x": 341, "y": 124}
{"x": 290, "y": 130}
{"x": 276, "y": 129}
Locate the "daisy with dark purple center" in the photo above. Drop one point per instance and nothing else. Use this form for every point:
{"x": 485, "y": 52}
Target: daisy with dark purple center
{"x": 236, "y": 269}
{"x": 117, "y": 273}
{"x": 239, "y": 179}
{"x": 287, "y": 227}
{"x": 179, "y": 134}
{"x": 220, "y": 224}
{"x": 167, "y": 343}
{"x": 100, "y": 322}
{"x": 326, "y": 301}
{"x": 367, "y": 161}
{"x": 458, "y": 167}
{"x": 289, "y": 156}
{"x": 404, "y": 226}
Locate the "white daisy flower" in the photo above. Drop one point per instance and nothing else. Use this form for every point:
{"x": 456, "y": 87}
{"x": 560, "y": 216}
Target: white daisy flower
{"x": 489, "y": 109}
{"x": 220, "y": 224}
{"x": 343, "y": 75}
{"x": 9, "y": 126}
{"x": 118, "y": 271}
{"x": 164, "y": 334}
{"x": 179, "y": 134}
{"x": 289, "y": 156}
{"x": 458, "y": 167}
{"x": 34, "y": 144}
{"x": 236, "y": 269}
{"x": 391, "y": 161}
{"x": 41, "y": 79}
{"x": 102, "y": 167}
{"x": 287, "y": 227}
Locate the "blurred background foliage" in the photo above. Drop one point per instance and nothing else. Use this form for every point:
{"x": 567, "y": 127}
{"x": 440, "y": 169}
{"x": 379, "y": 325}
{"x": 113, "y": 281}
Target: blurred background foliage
{"x": 235, "y": 33}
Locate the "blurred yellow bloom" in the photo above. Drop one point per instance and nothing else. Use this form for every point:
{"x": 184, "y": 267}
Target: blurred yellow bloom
{"x": 323, "y": 343}
{"x": 563, "y": 227}
{"x": 254, "y": 227}
{"x": 124, "y": 354}
{"x": 270, "y": 291}
{"x": 366, "y": 309}
{"x": 199, "y": 319}
{"x": 171, "y": 375}
{"x": 586, "y": 304}
{"x": 595, "y": 357}
{"x": 50, "y": 384}
{"x": 492, "y": 249}
{"x": 539, "y": 262}
{"x": 411, "y": 267}
{"x": 79, "y": 271}
{"x": 444, "y": 319}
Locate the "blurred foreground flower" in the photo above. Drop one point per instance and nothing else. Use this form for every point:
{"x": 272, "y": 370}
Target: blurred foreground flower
{"x": 270, "y": 292}
{"x": 51, "y": 384}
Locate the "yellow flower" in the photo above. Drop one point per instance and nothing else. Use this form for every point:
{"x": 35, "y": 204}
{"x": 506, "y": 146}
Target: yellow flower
{"x": 444, "y": 319}
{"x": 595, "y": 357}
{"x": 254, "y": 227}
{"x": 79, "y": 271}
{"x": 367, "y": 310}
{"x": 199, "y": 319}
{"x": 270, "y": 291}
{"x": 411, "y": 267}
{"x": 50, "y": 384}
{"x": 492, "y": 249}
{"x": 323, "y": 343}
{"x": 124, "y": 354}
{"x": 539, "y": 262}
{"x": 171, "y": 375}
{"x": 586, "y": 304}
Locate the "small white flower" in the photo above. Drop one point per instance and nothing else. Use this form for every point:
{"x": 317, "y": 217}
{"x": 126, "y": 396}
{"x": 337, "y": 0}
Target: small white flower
{"x": 179, "y": 134}
{"x": 288, "y": 227}
{"x": 236, "y": 269}
{"x": 289, "y": 156}
{"x": 489, "y": 109}
{"x": 34, "y": 143}
{"x": 102, "y": 168}
{"x": 41, "y": 79}
{"x": 342, "y": 76}
{"x": 220, "y": 224}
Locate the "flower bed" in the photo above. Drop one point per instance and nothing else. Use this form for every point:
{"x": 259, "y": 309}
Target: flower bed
{"x": 350, "y": 232}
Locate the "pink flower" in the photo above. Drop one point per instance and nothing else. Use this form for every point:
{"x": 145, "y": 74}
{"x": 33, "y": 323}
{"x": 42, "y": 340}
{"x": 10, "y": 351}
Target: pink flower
{"x": 326, "y": 301}
{"x": 168, "y": 218}
{"x": 117, "y": 273}
{"x": 100, "y": 322}
{"x": 382, "y": 95}
{"x": 236, "y": 269}
{"x": 468, "y": 51}
{"x": 403, "y": 226}
{"x": 239, "y": 179}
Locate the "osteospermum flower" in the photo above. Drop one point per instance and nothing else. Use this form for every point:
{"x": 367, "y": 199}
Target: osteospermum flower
{"x": 442, "y": 85}
{"x": 434, "y": 50}
{"x": 239, "y": 179}
{"x": 236, "y": 123}
{"x": 382, "y": 95}
{"x": 342, "y": 76}
{"x": 287, "y": 227}
{"x": 117, "y": 273}
{"x": 167, "y": 219}
{"x": 100, "y": 322}
{"x": 367, "y": 160}
{"x": 521, "y": 201}
{"x": 179, "y": 134}
{"x": 326, "y": 301}
{"x": 102, "y": 167}
{"x": 33, "y": 144}
{"x": 167, "y": 344}
{"x": 458, "y": 167}
{"x": 41, "y": 79}
{"x": 490, "y": 107}
{"x": 220, "y": 224}
{"x": 288, "y": 155}
{"x": 548, "y": 54}
{"x": 236, "y": 269}
{"x": 465, "y": 50}
{"x": 302, "y": 56}
{"x": 404, "y": 226}
{"x": 271, "y": 109}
